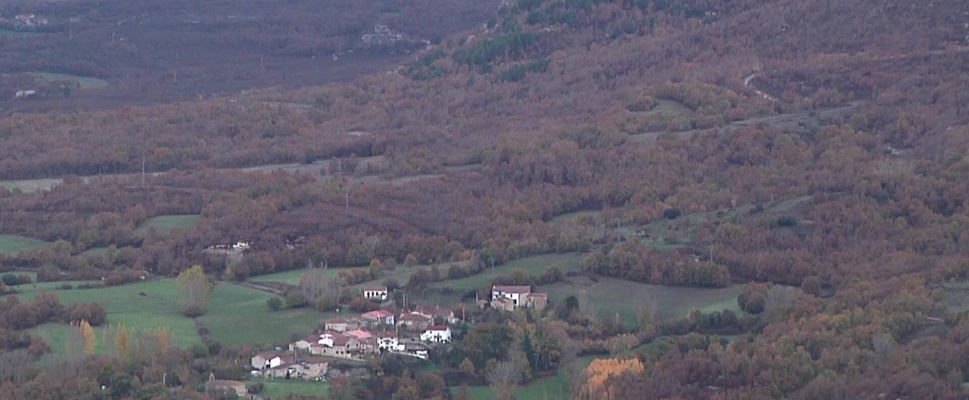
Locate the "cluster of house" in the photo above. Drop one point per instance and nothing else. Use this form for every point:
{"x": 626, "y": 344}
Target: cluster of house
{"x": 382, "y": 36}
{"x": 24, "y": 21}
{"x": 379, "y": 331}
{"x": 370, "y": 334}
{"x": 508, "y": 298}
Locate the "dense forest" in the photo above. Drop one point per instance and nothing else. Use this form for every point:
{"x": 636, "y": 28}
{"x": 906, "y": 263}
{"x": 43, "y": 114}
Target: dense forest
{"x": 813, "y": 152}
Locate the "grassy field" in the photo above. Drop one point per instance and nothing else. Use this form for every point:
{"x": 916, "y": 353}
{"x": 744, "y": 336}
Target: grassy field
{"x": 275, "y": 388}
{"x": 125, "y": 305}
{"x": 10, "y": 33}
{"x": 164, "y": 224}
{"x": 533, "y": 265}
{"x": 94, "y": 251}
{"x": 13, "y": 244}
{"x": 669, "y": 106}
{"x": 611, "y": 296}
{"x": 292, "y": 276}
{"x": 572, "y": 216}
{"x": 236, "y": 314}
{"x": 551, "y": 388}
{"x": 86, "y": 82}
{"x": 450, "y": 291}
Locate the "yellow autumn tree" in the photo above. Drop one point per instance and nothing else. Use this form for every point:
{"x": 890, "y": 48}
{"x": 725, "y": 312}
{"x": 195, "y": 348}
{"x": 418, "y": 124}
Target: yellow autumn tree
{"x": 162, "y": 340}
{"x": 121, "y": 342}
{"x": 88, "y": 339}
{"x": 193, "y": 289}
{"x": 599, "y": 371}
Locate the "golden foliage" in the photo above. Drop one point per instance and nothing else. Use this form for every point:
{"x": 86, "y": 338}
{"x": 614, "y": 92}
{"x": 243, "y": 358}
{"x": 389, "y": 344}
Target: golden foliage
{"x": 599, "y": 371}
{"x": 88, "y": 338}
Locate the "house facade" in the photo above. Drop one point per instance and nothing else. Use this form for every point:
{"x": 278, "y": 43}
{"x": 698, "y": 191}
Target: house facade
{"x": 510, "y": 297}
{"x": 437, "y": 334}
{"x": 376, "y": 293}
{"x": 517, "y": 294}
{"x": 341, "y": 324}
{"x": 444, "y": 313}
{"x": 304, "y": 368}
{"x": 388, "y": 341}
{"x": 267, "y": 359}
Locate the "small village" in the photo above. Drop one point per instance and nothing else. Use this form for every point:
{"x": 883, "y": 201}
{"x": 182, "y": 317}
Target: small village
{"x": 371, "y": 335}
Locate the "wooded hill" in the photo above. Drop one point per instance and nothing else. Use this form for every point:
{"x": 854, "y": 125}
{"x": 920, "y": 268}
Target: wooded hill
{"x": 817, "y": 144}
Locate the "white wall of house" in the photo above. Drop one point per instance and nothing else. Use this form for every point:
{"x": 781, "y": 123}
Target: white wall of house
{"x": 437, "y": 336}
{"x": 515, "y": 297}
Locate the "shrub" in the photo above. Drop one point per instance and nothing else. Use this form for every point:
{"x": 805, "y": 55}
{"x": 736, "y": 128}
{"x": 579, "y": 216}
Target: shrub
{"x": 360, "y": 304}
{"x": 193, "y": 311}
{"x": 274, "y": 303}
{"x": 294, "y": 299}
{"x": 255, "y": 388}
{"x": 326, "y": 303}
{"x": 753, "y": 298}
{"x": 811, "y": 285}
{"x": 672, "y": 213}
{"x": 10, "y": 279}
{"x": 786, "y": 221}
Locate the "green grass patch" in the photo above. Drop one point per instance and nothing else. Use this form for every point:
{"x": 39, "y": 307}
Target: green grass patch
{"x": 142, "y": 305}
{"x": 86, "y": 82}
{"x": 552, "y": 388}
{"x": 31, "y": 185}
{"x": 276, "y": 388}
{"x": 237, "y": 314}
{"x": 94, "y": 251}
{"x": 533, "y": 265}
{"x": 13, "y": 244}
{"x": 610, "y": 296}
{"x": 669, "y": 106}
{"x": 292, "y": 276}
{"x": 572, "y": 216}
{"x": 10, "y": 33}
{"x": 164, "y": 224}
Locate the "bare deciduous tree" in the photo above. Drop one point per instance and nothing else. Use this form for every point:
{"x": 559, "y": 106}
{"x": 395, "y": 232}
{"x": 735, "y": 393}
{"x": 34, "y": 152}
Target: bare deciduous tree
{"x": 315, "y": 285}
{"x": 503, "y": 379}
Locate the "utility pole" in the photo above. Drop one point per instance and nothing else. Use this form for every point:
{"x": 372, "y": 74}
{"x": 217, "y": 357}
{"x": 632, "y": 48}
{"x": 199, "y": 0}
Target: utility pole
{"x": 349, "y": 186}
{"x": 618, "y": 232}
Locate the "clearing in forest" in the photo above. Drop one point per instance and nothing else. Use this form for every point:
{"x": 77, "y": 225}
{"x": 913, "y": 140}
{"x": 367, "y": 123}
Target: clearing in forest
{"x": 165, "y": 224}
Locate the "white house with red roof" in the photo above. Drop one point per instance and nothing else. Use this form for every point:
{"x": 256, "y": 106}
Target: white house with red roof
{"x": 376, "y": 318}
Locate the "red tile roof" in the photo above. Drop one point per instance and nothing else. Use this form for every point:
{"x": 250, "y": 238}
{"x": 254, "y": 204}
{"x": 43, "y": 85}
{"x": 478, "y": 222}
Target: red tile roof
{"x": 414, "y": 317}
{"x": 440, "y": 328}
{"x": 378, "y": 314}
